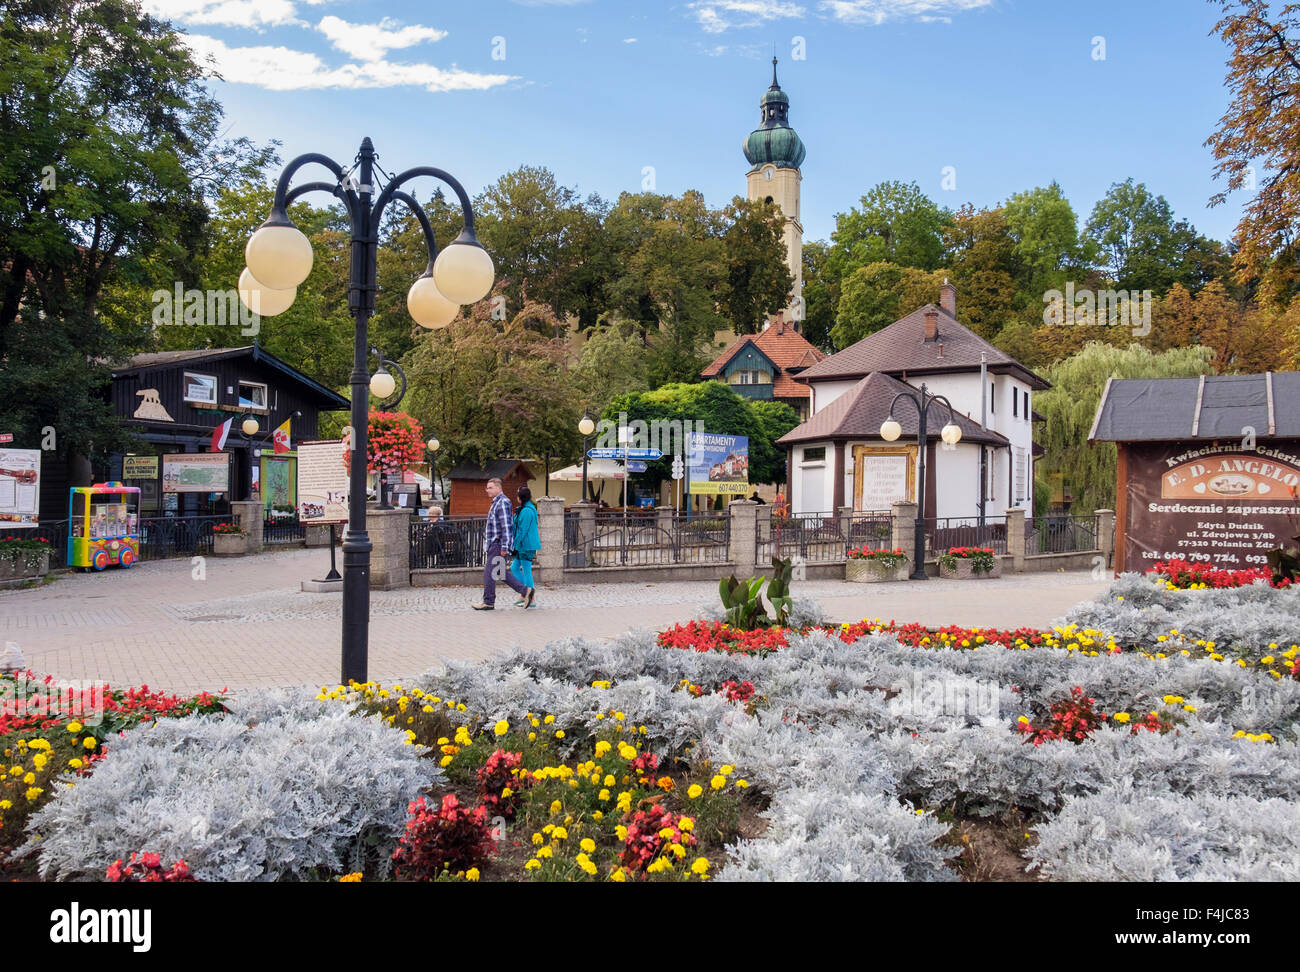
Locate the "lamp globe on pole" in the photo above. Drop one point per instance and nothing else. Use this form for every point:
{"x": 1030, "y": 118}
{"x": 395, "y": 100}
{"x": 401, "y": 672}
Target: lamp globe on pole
{"x": 463, "y": 271}
{"x": 951, "y": 433}
{"x": 586, "y": 426}
{"x": 890, "y": 430}
{"x": 382, "y": 384}
{"x": 278, "y": 255}
{"x": 263, "y": 301}
{"x": 434, "y": 444}
{"x": 428, "y": 307}
{"x": 250, "y": 426}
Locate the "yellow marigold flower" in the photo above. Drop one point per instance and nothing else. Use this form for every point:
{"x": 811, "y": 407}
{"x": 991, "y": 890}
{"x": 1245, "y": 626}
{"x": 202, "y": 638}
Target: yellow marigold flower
{"x": 1173, "y": 700}
{"x": 549, "y": 719}
{"x": 619, "y": 716}
{"x": 603, "y": 795}
{"x": 678, "y": 849}
{"x": 501, "y": 728}
{"x": 75, "y": 763}
{"x": 40, "y": 759}
{"x": 506, "y": 792}
{"x": 1189, "y": 708}
{"x": 74, "y": 727}
{"x": 472, "y": 874}
{"x": 597, "y": 816}
{"x": 354, "y": 878}
{"x": 666, "y": 833}
{"x": 445, "y": 762}
{"x": 559, "y": 733}
{"x": 532, "y": 865}
{"x": 461, "y": 707}
{"x": 742, "y": 784}
{"x": 556, "y": 807}
{"x": 1121, "y": 717}
{"x": 538, "y": 839}
{"x": 718, "y": 782}
{"x": 686, "y": 824}
{"x": 559, "y": 833}
{"x": 727, "y": 770}
{"x": 544, "y": 851}
{"x": 532, "y": 737}
{"x": 620, "y": 832}
{"x": 602, "y": 747}
{"x": 443, "y": 740}
{"x": 618, "y": 875}
{"x": 33, "y": 792}
{"x": 29, "y": 779}
{"x": 1267, "y": 660}
{"x": 694, "y": 791}
{"x": 609, "y": 779}
{"x": 700, "y": 866}
{"x": 1024, "y": 719}
{"x": 5, "y": 805}
{"x": 588, "y": 845}
{"x": 626, "y": 751}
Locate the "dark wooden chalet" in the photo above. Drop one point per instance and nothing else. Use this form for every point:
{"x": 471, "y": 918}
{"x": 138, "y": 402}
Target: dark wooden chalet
{"x": 174, "y": 400}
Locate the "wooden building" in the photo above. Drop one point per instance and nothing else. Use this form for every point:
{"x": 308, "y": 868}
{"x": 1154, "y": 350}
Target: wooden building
{"x": 174, "y": 400}
{"x": 468, "y": 484}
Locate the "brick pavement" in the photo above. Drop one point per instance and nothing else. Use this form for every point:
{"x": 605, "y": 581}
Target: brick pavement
{"x": 246, "y": 623}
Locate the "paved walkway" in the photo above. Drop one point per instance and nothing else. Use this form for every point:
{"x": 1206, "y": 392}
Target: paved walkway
{"x": 244, "y": 622}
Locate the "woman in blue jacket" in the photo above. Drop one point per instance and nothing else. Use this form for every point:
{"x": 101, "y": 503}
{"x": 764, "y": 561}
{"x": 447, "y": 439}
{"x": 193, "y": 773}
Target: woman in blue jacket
{"x": 527, "y": 542}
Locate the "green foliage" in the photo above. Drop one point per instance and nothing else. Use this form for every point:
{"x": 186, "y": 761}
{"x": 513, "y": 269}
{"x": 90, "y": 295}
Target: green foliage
{"x": 1086, "y": 470}
{"x": 612, "y": 363}
{"x": 897, "y": 223}
{"x": 878, "y": 294}
{"x": 743, "y": 600}
{"x": 756, "y": 281}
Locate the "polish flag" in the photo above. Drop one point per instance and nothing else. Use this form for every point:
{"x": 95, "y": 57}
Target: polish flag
{"x": 219, "y": 435}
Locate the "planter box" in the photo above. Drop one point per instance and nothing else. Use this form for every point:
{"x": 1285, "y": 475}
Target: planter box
{"x": 229, "y": 544}
{"x": 965, "y": 570}
{"x": 24, "y": 564}
{"x": 874, "y": 572}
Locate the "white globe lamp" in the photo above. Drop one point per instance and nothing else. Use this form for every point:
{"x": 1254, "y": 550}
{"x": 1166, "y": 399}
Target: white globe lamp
{"x": 279, "y": 256}
{"x": 250, "y": 426}
{"x": 382, "y": 384}
{"x": 427, "y": 306}
{"x": 263, "y": 301}
{"x": 890, "y": 430}
{"x": 463, "y": 271}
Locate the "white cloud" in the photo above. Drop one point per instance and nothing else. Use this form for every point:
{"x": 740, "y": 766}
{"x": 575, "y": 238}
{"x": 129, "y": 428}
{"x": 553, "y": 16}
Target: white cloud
{"x": 876, "y": 12}
{"x": 370, "y": 42}
{"x": 224, "y": 13}
{"x": 284, "y": 69}
{"x": 715, "y": 16}
{"x": 629, "y": 40}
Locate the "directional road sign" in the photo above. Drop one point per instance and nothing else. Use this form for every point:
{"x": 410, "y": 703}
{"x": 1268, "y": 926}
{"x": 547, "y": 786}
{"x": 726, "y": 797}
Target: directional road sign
{"x": 645, "y": 455}
{"x": 636, "y": 467}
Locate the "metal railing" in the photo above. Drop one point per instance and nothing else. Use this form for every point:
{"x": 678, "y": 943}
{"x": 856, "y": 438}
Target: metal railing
{"x": 644, "y": 540}
{"x": 451, "y": 542}
{"x": 1061, "y": 533}
{"x": 178, "y": 536}
{"x": 282, "y": 527}
{"x": 943, "y": 533}
{"x": 813, "y": 537}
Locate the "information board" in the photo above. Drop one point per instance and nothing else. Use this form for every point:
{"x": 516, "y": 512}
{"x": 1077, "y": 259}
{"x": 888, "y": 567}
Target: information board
{"x": 139, "y": 467}
{"x": 20, "y": 487}
{"x": 883, "y": 477}
{"x": 196, "y": 472}
{"x": 322, "y": 482}
{"x": 719, "y": 464}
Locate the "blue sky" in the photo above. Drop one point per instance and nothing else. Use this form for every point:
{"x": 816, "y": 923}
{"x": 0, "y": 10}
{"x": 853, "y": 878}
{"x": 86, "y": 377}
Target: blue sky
{"x": 1010, "y": 93}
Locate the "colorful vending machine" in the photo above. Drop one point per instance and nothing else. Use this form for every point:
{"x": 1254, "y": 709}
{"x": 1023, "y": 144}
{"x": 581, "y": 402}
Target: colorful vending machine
{"x": 103, "y": 525}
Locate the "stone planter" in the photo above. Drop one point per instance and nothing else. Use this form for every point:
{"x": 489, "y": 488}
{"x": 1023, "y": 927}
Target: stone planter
{"x": 229, "y": 544}
{"x": 874, "y": 572}
{"x": 24, "y": 564}
{"x": 965, "y": 570}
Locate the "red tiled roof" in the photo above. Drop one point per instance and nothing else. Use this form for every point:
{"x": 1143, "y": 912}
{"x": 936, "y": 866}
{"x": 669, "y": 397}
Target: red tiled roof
{"x": 860, "y": 411}
{"x": 901, "y": 348}
{"x": 784, "y": 347}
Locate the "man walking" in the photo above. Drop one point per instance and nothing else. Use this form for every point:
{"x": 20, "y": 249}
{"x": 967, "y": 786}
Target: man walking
{"x": 497, "y": 544}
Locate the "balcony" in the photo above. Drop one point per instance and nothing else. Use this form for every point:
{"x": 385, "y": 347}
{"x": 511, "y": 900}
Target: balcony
{"x": 762, "y": 393}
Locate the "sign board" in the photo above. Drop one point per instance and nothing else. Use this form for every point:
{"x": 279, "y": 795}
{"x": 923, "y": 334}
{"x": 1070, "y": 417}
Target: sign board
{"x": 719, "y": 465}
{"x": 7, "y": 437}
{"x": 636, "y": 467}
{"x": 1217, "y": 505}
{"x": 322, "y": 483}
{"x": 645, "y": 455}
{"x": 404, "y": 496}
{"x": 679, "y": 468}
{"x": 20, "y": 487}
{"x": 196, "y": 472}
{"x": 139, "y": 467}
{"x": 883, "y": 477}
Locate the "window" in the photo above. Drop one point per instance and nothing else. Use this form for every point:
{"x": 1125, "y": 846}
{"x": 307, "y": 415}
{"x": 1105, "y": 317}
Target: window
{"x": 993, "y": 397}
{"x": 1015, "y": 404}
{"x": 750, "y": 377}
{"x": 815, "y": 454}
{"x": 252, "y": 395}
{"x": 200, "y": 389}
{"x": 1027, "y": 415}
{"x": 1021, "y": 465}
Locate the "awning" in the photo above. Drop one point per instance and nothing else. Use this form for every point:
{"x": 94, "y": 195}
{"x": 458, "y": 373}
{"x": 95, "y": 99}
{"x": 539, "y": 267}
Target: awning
{"x": 596, "y": 469}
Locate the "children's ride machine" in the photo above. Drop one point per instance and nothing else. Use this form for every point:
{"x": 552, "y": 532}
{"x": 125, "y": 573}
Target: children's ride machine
{"x": 104, "y": 525}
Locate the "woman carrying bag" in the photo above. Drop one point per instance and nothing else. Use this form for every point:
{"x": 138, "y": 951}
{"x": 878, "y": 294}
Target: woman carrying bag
{"x": 527, "y": 542}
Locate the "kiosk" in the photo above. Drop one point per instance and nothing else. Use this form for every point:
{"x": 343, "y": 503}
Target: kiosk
{"x": 104, "y": 525}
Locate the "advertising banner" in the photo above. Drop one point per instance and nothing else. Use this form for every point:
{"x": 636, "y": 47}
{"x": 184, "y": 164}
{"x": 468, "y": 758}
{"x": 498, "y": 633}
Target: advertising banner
{"x": 196, "y": 472}
{"x": 20, "y": 487}
{"x": 719, "y": 465}
{"x": 322, "y": 483}
{"x": 139, "y": 467}
{"x": 1215, "y": 505}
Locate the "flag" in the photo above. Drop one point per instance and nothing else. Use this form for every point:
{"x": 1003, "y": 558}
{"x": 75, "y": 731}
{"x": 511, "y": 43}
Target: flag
{"x": 219, "y": 435}
{"x": 281, "y": 438}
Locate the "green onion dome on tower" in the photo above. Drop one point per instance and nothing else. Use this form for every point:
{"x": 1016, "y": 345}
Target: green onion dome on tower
{"x": 774, "y": 142}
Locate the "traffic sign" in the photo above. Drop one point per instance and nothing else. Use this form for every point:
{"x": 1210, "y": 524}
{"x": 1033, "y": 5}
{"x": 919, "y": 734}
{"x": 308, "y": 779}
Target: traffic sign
{"x": 636, "y": 467}
{"x": 645, "y": 455}
{"x": 679, "y": 468}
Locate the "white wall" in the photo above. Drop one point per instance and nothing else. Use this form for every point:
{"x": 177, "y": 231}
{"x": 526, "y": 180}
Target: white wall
{"x": 825, "y": 392}
{"x": 818, "y": 474}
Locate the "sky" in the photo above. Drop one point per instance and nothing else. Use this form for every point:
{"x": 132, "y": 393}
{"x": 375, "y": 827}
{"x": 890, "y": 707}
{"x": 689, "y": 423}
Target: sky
{"x": 973, "y": 100}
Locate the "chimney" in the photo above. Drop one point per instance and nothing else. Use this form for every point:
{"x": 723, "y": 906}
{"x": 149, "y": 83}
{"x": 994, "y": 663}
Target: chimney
{"x": 948, "y": 297}
{"x": 780, "y": 322}
{"x": 931, "y": 324}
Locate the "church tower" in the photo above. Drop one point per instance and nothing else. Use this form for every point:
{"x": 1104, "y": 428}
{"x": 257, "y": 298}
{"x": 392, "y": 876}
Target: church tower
{"x": 775, "y": 153}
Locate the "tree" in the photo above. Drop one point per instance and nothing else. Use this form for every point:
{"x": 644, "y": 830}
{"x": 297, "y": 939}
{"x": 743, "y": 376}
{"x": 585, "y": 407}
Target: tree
{"x": 877, "y": 295}
{"x": 108, "y": 146}
{"x": 897, "y": 224}
{"x": 1046, "y": 234}
{"x": 612, "y": 363}
{"x": 821, "y": 295}
{"x": 1257, "y": 144}
{"x": 489, "y": 390}
{"x": 1142, "y": 246}
{"x": 1243, "y": 338}
{"x": 1086, "y": 470}
{"x": 983, "y": 263}
{"x": 756, "y": 281}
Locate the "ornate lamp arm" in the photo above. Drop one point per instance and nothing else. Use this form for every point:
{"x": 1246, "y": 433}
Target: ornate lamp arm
{"x": 280, "y": 206}
{"x": 423, "y": 217}
{"x": 390, "y": 191}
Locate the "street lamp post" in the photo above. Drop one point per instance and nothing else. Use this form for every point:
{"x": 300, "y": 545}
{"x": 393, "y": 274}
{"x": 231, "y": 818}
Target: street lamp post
{"x": 382, "y": 386}
{"x": 279, "y": 258}
{"x": 434, "y": 445}
{"x": 890, "y": 430}
{"x": 585, "y": 428}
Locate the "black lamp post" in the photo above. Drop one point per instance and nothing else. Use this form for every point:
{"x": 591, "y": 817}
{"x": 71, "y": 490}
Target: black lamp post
{"x": 890, "y": 430}
{"x": 279, "y": 258}
{"x": 382, "y": 386}
{"x": 585, "y": 428}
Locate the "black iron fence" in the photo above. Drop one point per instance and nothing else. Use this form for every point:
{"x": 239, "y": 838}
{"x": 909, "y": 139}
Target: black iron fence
{"x": 450, "y": 542}
{"x": 813, "y": 537}
{"x": 160, "y": 536}
{"x": 1061, "y": 533}
{"x": 944, "y": 533}
{"x": 649, "y": 539}
{"x": 282, "y": 527}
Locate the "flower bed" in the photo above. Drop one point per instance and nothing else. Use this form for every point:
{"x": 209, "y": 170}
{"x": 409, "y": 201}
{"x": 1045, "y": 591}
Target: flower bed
{"x": 1182, "y": 575}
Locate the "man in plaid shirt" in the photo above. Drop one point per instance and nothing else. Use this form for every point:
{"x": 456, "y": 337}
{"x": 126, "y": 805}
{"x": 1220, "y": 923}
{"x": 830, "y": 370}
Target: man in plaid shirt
{"x": 498, "y": 540}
